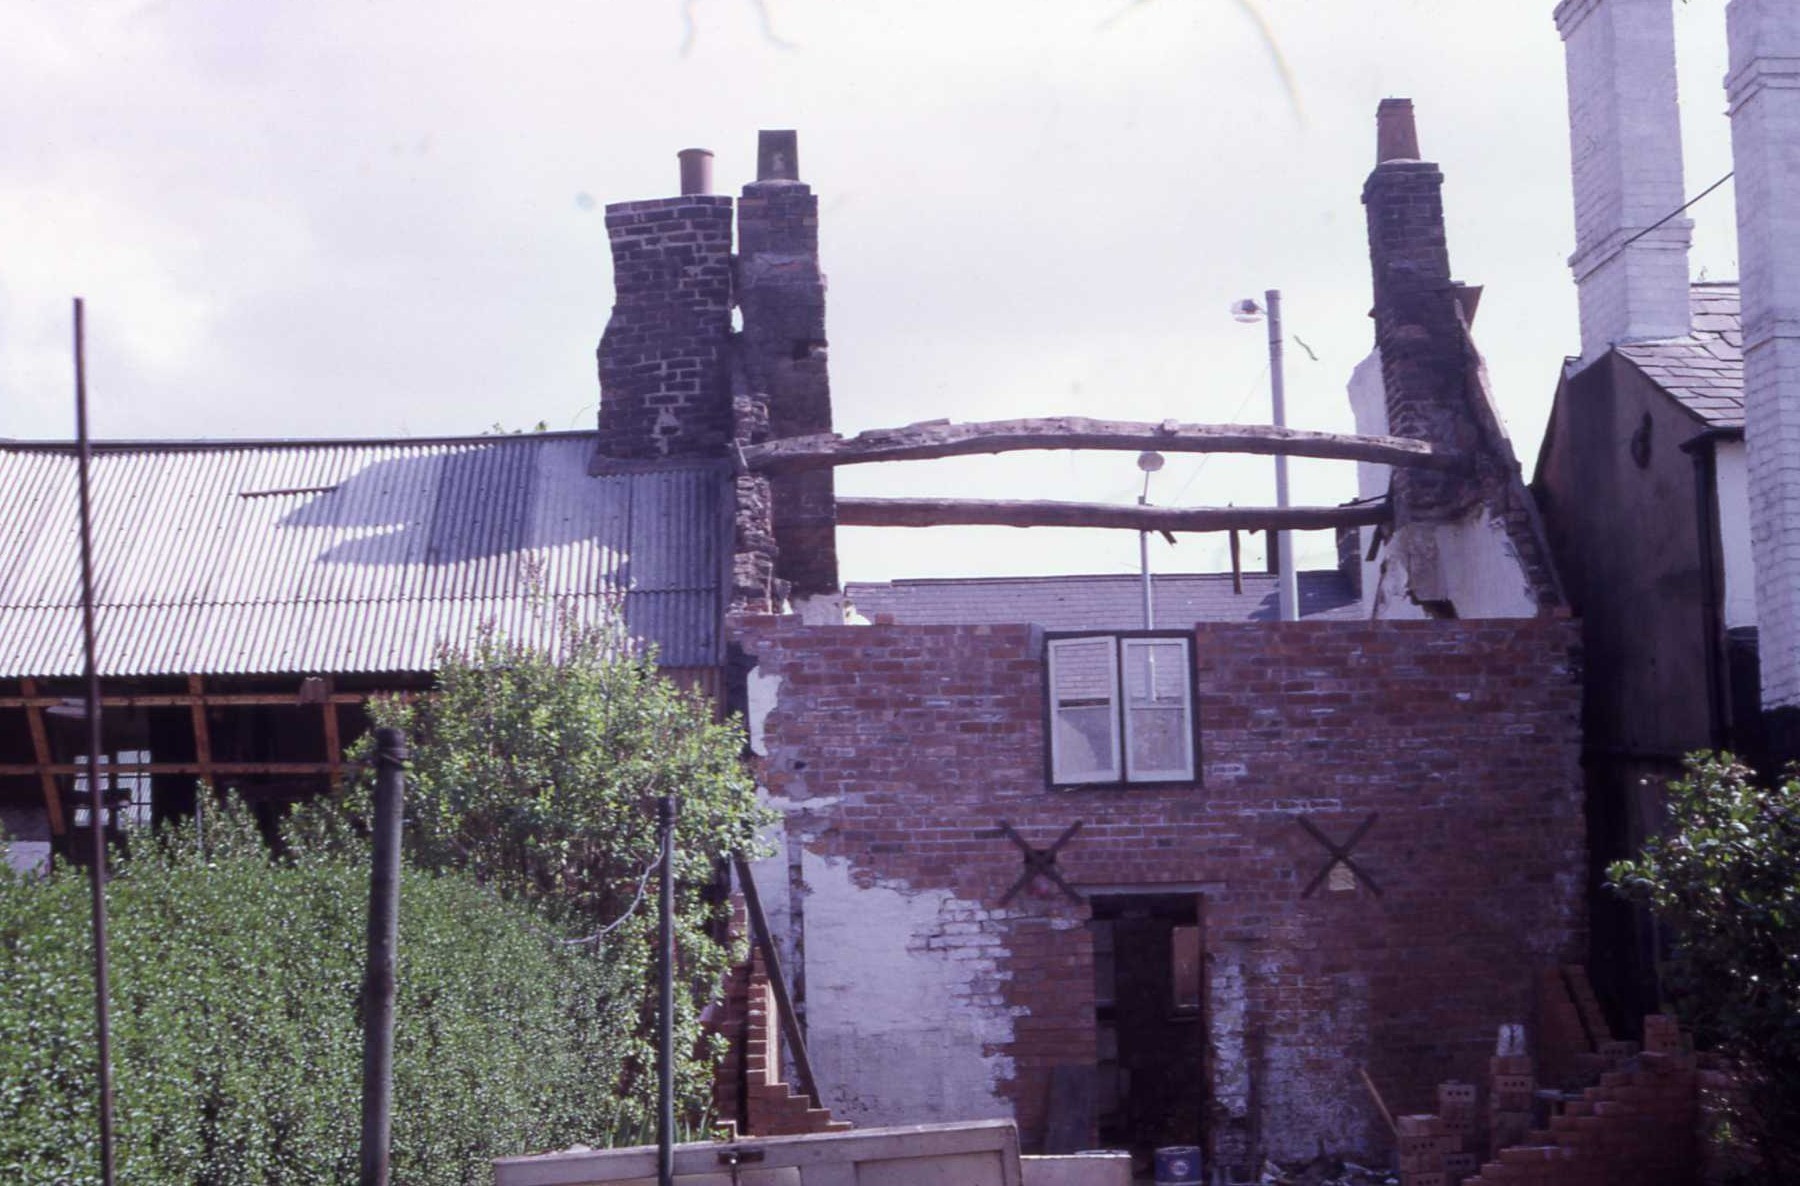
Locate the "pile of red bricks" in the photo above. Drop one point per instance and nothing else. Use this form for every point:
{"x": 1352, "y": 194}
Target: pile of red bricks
{"x": 749, "y": 1096}
{"x": 1637, "y": 1127}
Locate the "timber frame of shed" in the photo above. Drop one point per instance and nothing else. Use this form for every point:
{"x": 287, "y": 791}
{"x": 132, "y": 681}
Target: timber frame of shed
{"x": 270, "y": 740}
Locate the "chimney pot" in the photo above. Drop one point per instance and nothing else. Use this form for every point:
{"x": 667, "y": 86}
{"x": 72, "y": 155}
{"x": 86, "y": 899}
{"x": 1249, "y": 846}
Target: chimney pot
{"x": 778, "y": 155}
{"x": 696, "y": 171}
{"x": 1396, "y": 136}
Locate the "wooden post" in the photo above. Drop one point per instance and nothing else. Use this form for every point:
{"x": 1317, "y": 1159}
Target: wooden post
{"x": 40, "y": 746}
{"x": 384, "y": 940}
{"x": 202, "y": 746}
{"x": 784, "y": 1004}
{"x": 665, "y": 1011}
{"x": 334, "y": 749}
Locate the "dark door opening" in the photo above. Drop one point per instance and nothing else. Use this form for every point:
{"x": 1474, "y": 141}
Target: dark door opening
{"x": 1149, "y": 1021}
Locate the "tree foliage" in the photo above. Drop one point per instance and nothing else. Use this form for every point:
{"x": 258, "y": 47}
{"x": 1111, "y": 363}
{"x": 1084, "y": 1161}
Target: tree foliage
{"x": 537, "y": 775}
{"x": 1726, "y": 878}
{"x": 236, "y": 1037}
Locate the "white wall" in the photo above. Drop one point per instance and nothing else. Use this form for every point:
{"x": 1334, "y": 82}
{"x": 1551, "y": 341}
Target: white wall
{"x": 904, "y": 1000}
{"x": 1731, "y": 475}
{"x": 1764, "y": 92}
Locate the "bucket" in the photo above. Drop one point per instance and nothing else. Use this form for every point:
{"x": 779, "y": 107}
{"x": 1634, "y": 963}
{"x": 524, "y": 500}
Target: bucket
{"x": 1178, "y": 1165}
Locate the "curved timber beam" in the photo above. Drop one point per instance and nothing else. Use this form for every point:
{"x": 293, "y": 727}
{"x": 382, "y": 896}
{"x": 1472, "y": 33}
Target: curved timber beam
{"x": 959, "y": 512}
{"x": 941, "y": 438}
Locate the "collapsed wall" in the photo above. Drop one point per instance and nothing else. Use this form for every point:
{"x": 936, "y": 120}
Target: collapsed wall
{"x": 896, "y": 752}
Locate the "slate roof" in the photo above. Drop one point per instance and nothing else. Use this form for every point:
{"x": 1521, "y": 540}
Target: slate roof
{"x": 1106, "y": 602}
{"x": 1703, "y": 371}
{"x": 349, "y": 556}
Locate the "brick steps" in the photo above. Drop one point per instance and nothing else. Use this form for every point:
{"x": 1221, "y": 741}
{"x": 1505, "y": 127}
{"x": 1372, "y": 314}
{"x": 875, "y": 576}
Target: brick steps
{"x": 749, "y": 1095}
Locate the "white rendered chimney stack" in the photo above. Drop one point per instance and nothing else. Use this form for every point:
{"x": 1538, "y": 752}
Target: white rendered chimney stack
{"x": 1625, "y": 148}
{"x": 1764, "y": 92}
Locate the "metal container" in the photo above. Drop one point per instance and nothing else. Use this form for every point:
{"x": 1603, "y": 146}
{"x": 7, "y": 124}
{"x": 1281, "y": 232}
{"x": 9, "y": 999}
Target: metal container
{"x": 1178, "y": 1165}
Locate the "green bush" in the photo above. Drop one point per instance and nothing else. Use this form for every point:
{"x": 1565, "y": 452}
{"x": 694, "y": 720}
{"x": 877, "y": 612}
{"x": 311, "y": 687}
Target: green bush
{"x": 237, "y": 1041}
{"x": 1726, "y": 878}
{"x": 536, "y": 775}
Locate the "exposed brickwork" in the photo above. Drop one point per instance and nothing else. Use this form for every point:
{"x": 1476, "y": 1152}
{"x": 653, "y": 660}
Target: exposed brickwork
{"x": 1637, "y": 1127}
{"x": 749, "y": 1092}
{"x": 1418, "y": 331}
{"x": 1434, "y": 377}
{"x": 896, "y": 750}
{"x": 665, "y": 383}
{"x": 754, "y": 585}
{"x": 782, "y": 294}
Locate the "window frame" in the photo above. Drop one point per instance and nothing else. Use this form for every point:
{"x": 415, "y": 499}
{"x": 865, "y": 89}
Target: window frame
{"x": 1121, "y": 711}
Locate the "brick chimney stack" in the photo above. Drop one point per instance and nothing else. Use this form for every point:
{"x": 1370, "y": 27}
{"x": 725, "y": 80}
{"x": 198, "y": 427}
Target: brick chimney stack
{"x": 1763, "y": 88}
{"x": 1396, "y": 136}
{"x": 781, "y": 293}
{"x": 665, "y": 363}
{"x": 1417, "y": 326}
{"x": 1625, "y": 148}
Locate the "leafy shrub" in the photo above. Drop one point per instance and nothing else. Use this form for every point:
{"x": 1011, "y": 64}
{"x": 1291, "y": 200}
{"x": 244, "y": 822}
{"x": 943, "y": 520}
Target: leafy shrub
{"x": 536, "y": 775}
{"x": 237, "y": 1041}
{"x": 1726, "y": 878}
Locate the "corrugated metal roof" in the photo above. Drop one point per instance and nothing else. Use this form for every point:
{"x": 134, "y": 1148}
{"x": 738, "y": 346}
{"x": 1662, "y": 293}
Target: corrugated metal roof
{"x": 1101, "y": 602}
{"x": 349, "y": 556}
{"x": 1703, "y": 371}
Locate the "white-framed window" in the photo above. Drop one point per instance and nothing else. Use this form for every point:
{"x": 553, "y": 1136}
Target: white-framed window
{"x": 1121, "y": 709}
{"x": 128, "y": 795}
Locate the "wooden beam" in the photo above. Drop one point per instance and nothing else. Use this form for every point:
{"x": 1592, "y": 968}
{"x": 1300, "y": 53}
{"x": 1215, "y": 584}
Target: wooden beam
{"x": 29, "y": 768}
{"x": 334, "y": 750}
{"x": 184, "y": 700}
{"x": 952, "y": 512}
{"x": 940, "y": 438}
{"x": 40, "y": 746}
{"x": 202, "y": 729}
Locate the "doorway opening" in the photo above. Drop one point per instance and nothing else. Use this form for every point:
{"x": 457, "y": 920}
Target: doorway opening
{"x": 1149, "y": 1020}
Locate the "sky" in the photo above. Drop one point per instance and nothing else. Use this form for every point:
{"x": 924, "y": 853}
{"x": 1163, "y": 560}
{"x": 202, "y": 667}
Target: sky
{"x": 356, "y": 218}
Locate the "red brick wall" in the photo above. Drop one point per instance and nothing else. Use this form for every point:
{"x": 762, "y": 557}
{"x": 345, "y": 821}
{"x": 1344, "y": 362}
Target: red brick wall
{"x": 1461, "y": 735}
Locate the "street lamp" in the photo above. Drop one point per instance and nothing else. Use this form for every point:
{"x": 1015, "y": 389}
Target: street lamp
{"x": 1287, "y": 581}
{"x": 1149, "y": 462}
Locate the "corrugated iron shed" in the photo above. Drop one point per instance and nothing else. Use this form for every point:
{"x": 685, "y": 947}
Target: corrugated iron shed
{"x": 350, "y": 556}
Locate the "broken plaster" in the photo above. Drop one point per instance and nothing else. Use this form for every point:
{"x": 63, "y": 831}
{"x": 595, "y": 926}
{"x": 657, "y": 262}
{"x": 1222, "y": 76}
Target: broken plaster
{"x": 906, "y": 1008}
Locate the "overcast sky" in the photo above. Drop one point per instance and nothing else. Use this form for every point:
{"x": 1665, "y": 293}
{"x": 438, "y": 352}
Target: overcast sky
{"x": 383, "y": 217}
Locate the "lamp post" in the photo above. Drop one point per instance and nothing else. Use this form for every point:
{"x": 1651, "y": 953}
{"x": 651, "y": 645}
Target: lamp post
{"x": 1287, "y": 584}
{"x": 1149, "y": 462}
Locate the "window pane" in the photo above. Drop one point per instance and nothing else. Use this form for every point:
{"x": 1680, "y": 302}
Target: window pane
{"x": 1159, "y": 742}
{"x": 1158, "y": 718}
{"x": 1084, "y": 721}
{"x": 1082, "y": 670}
{"x": 1084, "y": 744}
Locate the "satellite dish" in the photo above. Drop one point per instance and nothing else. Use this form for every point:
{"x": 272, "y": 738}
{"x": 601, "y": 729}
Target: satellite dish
{"x": 1246, "y": 310}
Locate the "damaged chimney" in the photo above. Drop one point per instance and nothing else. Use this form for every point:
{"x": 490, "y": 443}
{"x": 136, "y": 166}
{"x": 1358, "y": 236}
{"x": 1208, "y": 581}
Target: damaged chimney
{"x": 1418, "y": 328}
{"x": 1763, "y": 88}
{"x": 1625, "y": 149}
{"x": 665, "y": 375}
{"x": 781, "y": 294}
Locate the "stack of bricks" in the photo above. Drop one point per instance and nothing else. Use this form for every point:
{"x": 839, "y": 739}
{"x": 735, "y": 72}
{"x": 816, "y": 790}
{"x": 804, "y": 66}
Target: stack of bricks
{"x": 1426, "y": 1146}
{"x": 1511, "y": 1085}
{"x": 1637, "y": 1127}
{"x": 1456, "y": 1108}
{"x": 749, "y": 1095}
